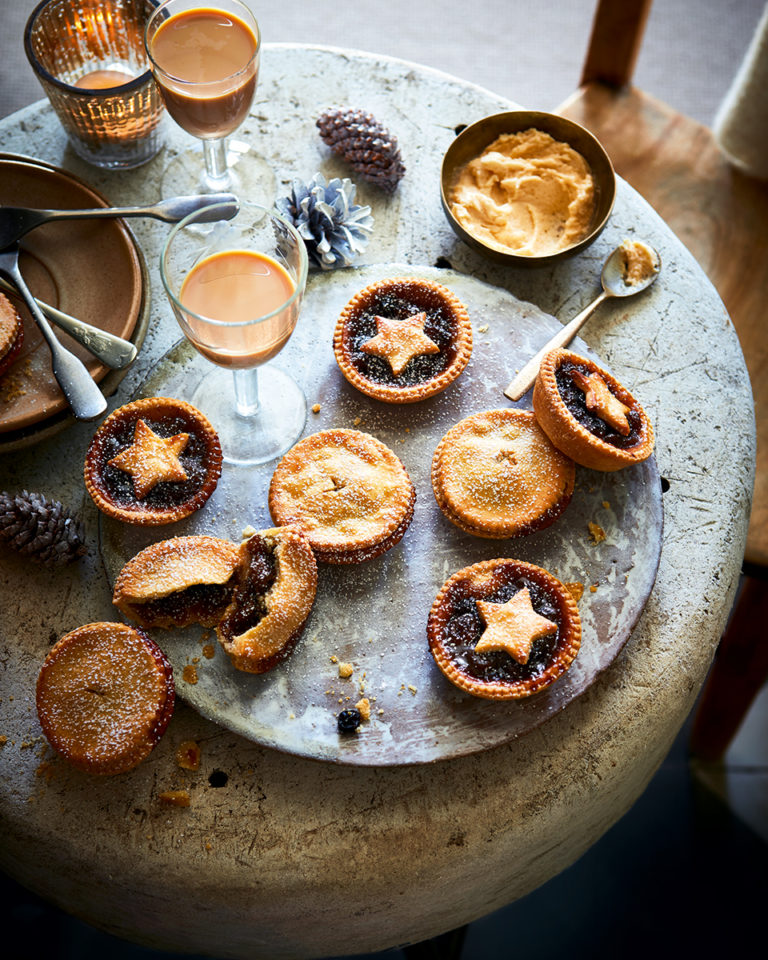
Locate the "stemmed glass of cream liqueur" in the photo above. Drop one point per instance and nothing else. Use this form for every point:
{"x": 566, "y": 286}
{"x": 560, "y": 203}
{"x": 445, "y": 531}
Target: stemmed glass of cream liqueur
{"x": 205, "y": 61}
{"x": 236, "y": 287}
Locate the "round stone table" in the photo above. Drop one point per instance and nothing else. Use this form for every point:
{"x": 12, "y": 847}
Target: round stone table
{"x": 278, "y": 856}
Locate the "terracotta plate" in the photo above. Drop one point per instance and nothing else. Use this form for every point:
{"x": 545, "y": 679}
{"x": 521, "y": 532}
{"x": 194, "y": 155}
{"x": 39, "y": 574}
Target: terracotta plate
{"x": 90, "y": 269}
{"x": 373, "y": 615}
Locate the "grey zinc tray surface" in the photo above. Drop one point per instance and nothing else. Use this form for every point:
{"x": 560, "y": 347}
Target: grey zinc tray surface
{"x": 373, "y": 615}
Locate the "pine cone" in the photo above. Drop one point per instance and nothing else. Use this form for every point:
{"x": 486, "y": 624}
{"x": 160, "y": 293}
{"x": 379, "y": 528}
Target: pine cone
{"x": 334, "y": 228}
{"x": 362, "y": 141}
{"x": 41, "y": 529}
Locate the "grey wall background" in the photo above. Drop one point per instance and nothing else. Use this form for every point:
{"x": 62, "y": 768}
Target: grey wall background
{"x": 528, "y": 50}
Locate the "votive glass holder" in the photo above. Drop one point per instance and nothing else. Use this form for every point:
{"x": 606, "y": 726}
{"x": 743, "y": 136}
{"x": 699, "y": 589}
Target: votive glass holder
{"x": 90, "y": 59}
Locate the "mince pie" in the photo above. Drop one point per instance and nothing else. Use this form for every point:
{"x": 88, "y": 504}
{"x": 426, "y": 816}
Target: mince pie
{"x": 153, "y": 461}
{"x": 495, "y": 474}
{"x": 346, "y": 491}
{"x": 177, "y": 582}
{"x": 105, "y": 695}
{"x": 503, "y": 629}
{"x": 275, "y": 585}
{"x": 403, "y": 340}
{"x": 11, "y": 334}
{"x": 588, "y": 414}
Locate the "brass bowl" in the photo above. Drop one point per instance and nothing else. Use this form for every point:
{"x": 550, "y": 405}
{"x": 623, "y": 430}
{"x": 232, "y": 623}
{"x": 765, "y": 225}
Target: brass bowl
{"x": 471, "y": 142}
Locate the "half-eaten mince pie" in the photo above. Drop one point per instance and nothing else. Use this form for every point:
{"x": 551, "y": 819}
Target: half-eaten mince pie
{"x": 275, "y": 585}
{"x": 495, "y": 474}
{"x": 503, "y": 629}
{"x": 403, "y": 340}
{"x": 105, "y": 695}
{"x": 153, "y": 461}
{"x": 346, "y": 491}
{"x": 588, "y": 414}
{"x": 177, "y": 582}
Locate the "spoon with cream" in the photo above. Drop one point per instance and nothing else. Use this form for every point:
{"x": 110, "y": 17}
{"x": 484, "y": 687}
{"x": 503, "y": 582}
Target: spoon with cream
{"x": 633, "y": 266}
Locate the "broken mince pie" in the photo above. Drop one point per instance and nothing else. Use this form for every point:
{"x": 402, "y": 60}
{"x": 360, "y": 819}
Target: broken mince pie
{"x": 177, "y": 582}
{"x": 105, "y": 696}
{"x": 275, "y": 585}
{"x": 346, "y": 491}
{"x": 588, "y": 414}
{"x": 496, "y": 475}
{"x": 153, "y": 461}
{"x": 503, "y": 629}
{"x": 403, "y": 340}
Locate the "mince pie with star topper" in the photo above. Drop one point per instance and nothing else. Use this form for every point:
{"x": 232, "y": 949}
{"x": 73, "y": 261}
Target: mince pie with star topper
{"x": 503, "y": 629}
{"x": 153, "y": 461}
{"x": 403, "y": 340}
{"x": 588, "y": 414}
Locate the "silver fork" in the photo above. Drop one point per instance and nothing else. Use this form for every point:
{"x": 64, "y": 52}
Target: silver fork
{"x": 15, "y": 222}
{"x": 77, "y": 385}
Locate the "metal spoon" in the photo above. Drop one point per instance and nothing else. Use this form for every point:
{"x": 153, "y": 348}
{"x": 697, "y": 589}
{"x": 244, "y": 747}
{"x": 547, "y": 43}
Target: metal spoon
{"x": 82, "y": 394}
{"x": 17, "y": 221}
{"x": 110, "y": 349}
{"x": 615, "y": 284}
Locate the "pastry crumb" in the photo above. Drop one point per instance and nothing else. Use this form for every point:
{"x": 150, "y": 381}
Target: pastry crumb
{"x": 346, "y": 670}
{"x": 175, "y": 798}
{"x": 188, "y": 755}
{"x": 593, "y": 588}
{"x": 483, "y": 329}
{"x": 607, "y": 504}
{"x": 412, "y": 689}
{"x": 3, "y": 741}
{"x": 575, "y": 588}
{"x": 315, "y": 408}
{"x": 364, "y": 706}
{"x": 189, "y": 674}
{"x": 334, "y": 658}
{"x": 248, "y": 532}
{"x": 209, "y": 651}
{"x": 357, "y": 421}
{"x": 596, "y": 532}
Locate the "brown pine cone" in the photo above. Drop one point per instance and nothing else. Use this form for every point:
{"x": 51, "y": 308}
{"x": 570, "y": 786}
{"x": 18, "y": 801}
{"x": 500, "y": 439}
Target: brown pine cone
{"x": 365, "y": 144}
{"x": 41, "y": 529}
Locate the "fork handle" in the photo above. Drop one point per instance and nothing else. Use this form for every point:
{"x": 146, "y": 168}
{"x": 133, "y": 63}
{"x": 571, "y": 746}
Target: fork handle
{"x": 82, "y": 394}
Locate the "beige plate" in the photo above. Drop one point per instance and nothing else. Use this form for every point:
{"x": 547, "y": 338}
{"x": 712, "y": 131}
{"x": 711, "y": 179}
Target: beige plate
{"x": 90, "y": 269}
{"x": 374, "y": 614}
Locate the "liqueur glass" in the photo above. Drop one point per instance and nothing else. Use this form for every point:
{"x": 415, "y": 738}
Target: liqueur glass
{"x": 267, "y": 411}
{"x": 205, "y": 60}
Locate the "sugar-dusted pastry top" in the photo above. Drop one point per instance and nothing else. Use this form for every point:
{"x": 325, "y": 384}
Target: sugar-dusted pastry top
{"x": 346, "y": 491}
{"x": 177, "y": 582}
{"x": 105, "y": 695}
{"x": 496, "y": 474}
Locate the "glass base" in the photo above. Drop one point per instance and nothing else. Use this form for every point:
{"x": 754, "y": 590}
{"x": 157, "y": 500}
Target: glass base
{"x": 267, "y": 434}
{"x": 248, "y": 176}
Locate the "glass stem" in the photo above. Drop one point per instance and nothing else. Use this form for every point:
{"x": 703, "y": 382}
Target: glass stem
{"x": 215, "y": 153}
{"x": 246, "y": 392}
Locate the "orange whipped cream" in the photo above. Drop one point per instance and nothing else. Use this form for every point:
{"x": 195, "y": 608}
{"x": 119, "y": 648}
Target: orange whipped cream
{"x": 526, "y": 194}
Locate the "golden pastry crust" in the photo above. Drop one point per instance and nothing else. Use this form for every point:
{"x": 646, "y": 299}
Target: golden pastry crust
{"x": 496, "y": 474}
{"x": 176, "y": 494}
{"x": 443, "y": 342}
{"x": 276, "y": 582}
{"x": 177, "y": 582}
{"x": 346, "y": 491}
{"x": 105, "y": 695}
{"x": 579, "y": 440}
{"x": 456, "y": 624}
{"x": 11, "y": 333}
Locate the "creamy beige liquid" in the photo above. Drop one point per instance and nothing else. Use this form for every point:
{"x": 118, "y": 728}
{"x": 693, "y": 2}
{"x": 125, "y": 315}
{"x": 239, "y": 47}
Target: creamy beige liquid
{"x": 103, "y": 79}
{"x": 206, "y": 70}
{"x": 239, "y": 287}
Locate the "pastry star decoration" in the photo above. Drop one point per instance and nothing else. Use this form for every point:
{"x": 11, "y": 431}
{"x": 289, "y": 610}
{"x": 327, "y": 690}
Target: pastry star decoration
{"x": 512, "y": 626}
{"x": 151, "y": 459}
{"x": 399, "y": 341}
{"x": 601, "y": 401}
